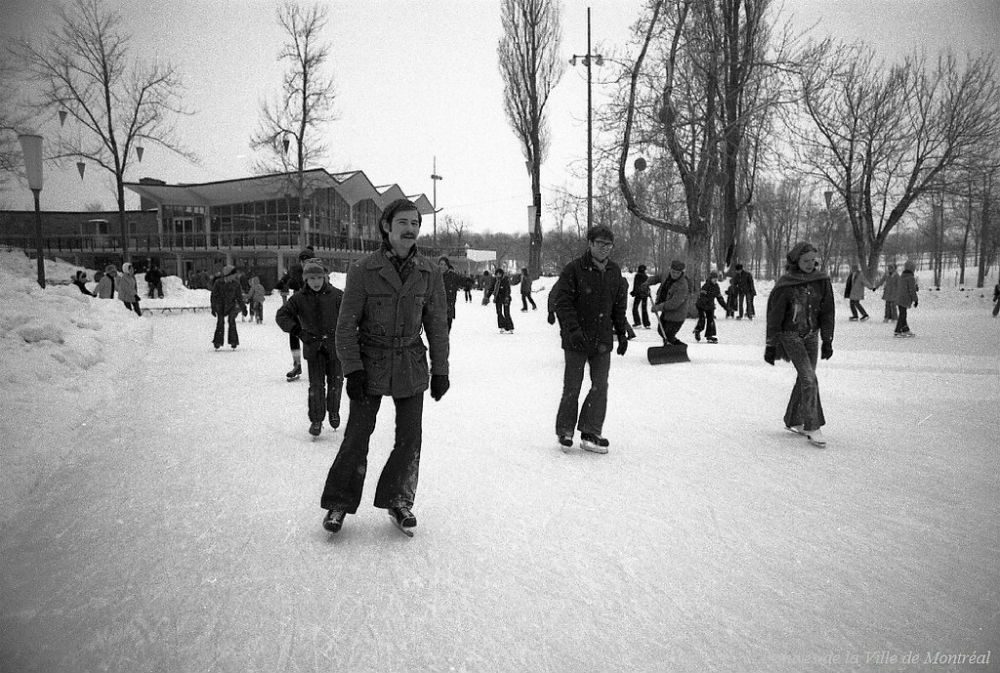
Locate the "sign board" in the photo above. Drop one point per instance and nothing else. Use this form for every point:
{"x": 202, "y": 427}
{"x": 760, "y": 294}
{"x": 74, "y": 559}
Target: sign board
{"x": 480, "y": 255}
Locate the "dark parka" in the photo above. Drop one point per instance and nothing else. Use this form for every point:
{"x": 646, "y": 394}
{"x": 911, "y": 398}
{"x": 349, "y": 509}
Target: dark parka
{"x": 592, "y": 301}
{"x": 381, "y": 320}
{"x": 311, "y": 315}
{"x": 227, "y": 296}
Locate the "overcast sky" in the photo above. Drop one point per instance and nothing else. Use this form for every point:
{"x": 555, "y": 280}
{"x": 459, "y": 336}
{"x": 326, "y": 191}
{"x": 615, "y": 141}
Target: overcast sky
{"x": 418, "y": 79}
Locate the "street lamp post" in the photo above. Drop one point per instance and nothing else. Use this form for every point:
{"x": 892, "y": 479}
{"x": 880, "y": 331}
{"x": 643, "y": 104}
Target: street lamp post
{"x": 599, "y": 60}
{"x": 31, "y": 148}
{"x": 434, "y": 178}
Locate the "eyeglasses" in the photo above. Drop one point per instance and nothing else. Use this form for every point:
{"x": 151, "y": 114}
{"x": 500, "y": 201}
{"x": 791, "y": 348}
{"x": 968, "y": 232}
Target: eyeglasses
{"x": 603, "y": 244}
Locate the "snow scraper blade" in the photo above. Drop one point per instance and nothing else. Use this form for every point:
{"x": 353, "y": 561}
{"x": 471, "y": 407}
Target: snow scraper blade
{"x": 662, "y": 355}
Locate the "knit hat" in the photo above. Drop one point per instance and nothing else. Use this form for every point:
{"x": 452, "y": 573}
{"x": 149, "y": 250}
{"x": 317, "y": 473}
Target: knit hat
{"x": 313, "y": 267}
{"x": 228, "y": 269}
{"x": 910, "y": 265}
{"x": 126, "y": 267}
{"x": 677, "y": 265}
{"x": 642, "y": 268}
{"x": 799, "y": 249}
{"x": 308, "y": 253}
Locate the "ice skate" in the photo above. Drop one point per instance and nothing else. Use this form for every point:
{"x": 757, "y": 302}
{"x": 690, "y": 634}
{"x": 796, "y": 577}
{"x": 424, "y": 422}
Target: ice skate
{"x": 315, "y": 428}
{"x": 712, "y": 340}
{"x": 797, "y": 429}
{"x": 404, "y": 519}
{"x": 816, "y": 438}
{"x": 334, "y": 420}
{"x": 295, "y": 372}
{"x": 697, "y": 335}
{"x": 334, "y": 520}
{"x": 594, "y": 443}
{"x": 565, "y": 442}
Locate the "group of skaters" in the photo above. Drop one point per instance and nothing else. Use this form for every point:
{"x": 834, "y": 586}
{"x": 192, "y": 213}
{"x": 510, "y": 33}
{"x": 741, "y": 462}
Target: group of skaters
{"x": 110, "y": 283}
{"x": 899, "y": 293}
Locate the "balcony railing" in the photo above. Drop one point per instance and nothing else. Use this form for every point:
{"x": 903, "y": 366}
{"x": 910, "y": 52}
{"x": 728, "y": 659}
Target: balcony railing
{"x": 190, "y": 242}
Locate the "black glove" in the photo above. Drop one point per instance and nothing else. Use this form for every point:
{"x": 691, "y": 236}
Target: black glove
{"x": 826, "y": 351}
{"x": 439, "y": 386}
{"x": 769, "y": 355}
{"x": 356, "y": 383}
{"x": 622, "y": 345}
{"x": 213, "y": 313}
{"x": 578, "y": 340}
{"x": 552, "y": 318}
{"x": 914, "y": 303}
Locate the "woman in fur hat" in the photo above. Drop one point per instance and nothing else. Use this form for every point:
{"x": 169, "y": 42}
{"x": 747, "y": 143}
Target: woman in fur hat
{"x": 800, "y": 313}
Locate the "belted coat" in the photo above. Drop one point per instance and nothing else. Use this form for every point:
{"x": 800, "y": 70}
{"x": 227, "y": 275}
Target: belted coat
{"x": 382, "y": 318}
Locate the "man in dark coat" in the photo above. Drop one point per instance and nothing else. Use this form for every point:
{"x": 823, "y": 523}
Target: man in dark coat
{"x": 289, "y": 283}
{"x": 154, "y": 281}
{"x": 745, "y": 292}
{"x": 640, "y": 292}
{"x": 391, "y": 297}
{"x": 311, "y": 315}
{"x": 451, "y": 285}
{"x": 501, "y": 297}
{"x": 590, "y": 302}
{"x": 227, "y": 302}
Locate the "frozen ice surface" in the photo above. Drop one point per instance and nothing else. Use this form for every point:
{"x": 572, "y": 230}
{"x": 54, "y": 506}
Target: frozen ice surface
{"x": 159, "y": 503}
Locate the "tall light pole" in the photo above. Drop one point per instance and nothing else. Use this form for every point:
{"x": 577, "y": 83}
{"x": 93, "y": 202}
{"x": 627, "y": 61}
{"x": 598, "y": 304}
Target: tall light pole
{"x": 31, "y": 148}
{"x": 599, "y": 60}
{"x": 434, "y": 178}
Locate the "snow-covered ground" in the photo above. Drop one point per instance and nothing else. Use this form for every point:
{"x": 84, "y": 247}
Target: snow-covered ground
{"x": 159, "y": 503}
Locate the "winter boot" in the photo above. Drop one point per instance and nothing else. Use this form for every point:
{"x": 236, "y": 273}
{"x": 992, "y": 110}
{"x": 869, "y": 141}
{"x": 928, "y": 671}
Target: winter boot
{"x": 594, "y": 443}
{"x": 334, "y": 520}
{"x": 403, "y": 516}
{"x": 315, "y": 428}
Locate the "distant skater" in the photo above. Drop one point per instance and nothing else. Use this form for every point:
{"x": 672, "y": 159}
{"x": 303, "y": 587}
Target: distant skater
{"x": 227, "y": 303}
{"x": 906, "y": 296}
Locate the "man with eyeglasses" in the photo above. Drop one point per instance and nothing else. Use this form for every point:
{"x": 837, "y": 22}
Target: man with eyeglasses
{"x": 590, "y": 303}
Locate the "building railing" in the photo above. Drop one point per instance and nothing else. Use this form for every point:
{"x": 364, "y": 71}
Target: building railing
{"x": 191, "y": 242}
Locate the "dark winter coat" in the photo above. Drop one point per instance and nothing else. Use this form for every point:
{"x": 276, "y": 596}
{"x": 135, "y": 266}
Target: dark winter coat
{"x": 592, "y": 301}
{"x": 906, "y": 291}
{"x": 452, "y": 283}
{"x": 743, "y": 280}
{"x": 708, "y": 295}
{"x": 311, "y": 315}
{"x": 672, "y": 298}
{"x": 381, "y": 319}
{"x": 291, "y": 281}
{"x": 501, "y": 290}
{"x": 525, "y": 285}
{"x": 639, "y": 288}
{"x": 154, "y": 276}
{"x": 227, "y": 296}
{"x": 800, "y": 303}
{"x": 105, "y": 287}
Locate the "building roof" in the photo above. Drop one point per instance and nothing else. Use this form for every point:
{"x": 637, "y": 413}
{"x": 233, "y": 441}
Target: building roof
{"x": 353, "y": 186}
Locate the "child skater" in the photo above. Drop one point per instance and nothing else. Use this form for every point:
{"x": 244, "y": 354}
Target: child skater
{"x": 311, "y": 315}
{"x": 707, "y": 296}
{"x": 255, "y": 298}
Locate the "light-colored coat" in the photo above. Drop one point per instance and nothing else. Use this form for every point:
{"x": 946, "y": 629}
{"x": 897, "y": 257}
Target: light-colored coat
{"x": 381, "y": 320}
{"x": 857, "y": 292}
{"x": 126, "y": 287}
{"x": 106, "y": 287}
{"x": 890, "y": 286}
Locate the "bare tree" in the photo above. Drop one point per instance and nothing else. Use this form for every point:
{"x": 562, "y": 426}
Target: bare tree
{"x": 86, "y": 69}
{"x": 528, "y": 56}
{"x": 12, "y": 122}
{"x": 303, "y": 106}
{"x": 883, "y": 137}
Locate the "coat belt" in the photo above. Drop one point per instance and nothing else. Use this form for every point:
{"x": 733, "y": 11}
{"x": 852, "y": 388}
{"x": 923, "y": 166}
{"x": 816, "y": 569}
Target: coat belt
{"x": 378, "y": 341}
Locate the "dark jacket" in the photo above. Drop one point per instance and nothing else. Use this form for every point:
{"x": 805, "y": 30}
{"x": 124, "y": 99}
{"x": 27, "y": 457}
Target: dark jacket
{"x": 452, "y": 282}
{"x": 708, "y": 295}
{"x": 743, "y": 280}
{"x": 154, "y": 276}
{"x": 592, "y": 301}
{"x": 501, "y": 290}
{"x": 226, "y": 296}
{"x": 311, "y": 315}
{"x": 906, "y": 290}
{"x": 381, "y": 320}
{"x": 801, "y": 303}
{"x": 639, "y": 288}
{"x": 291, "y": 281}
